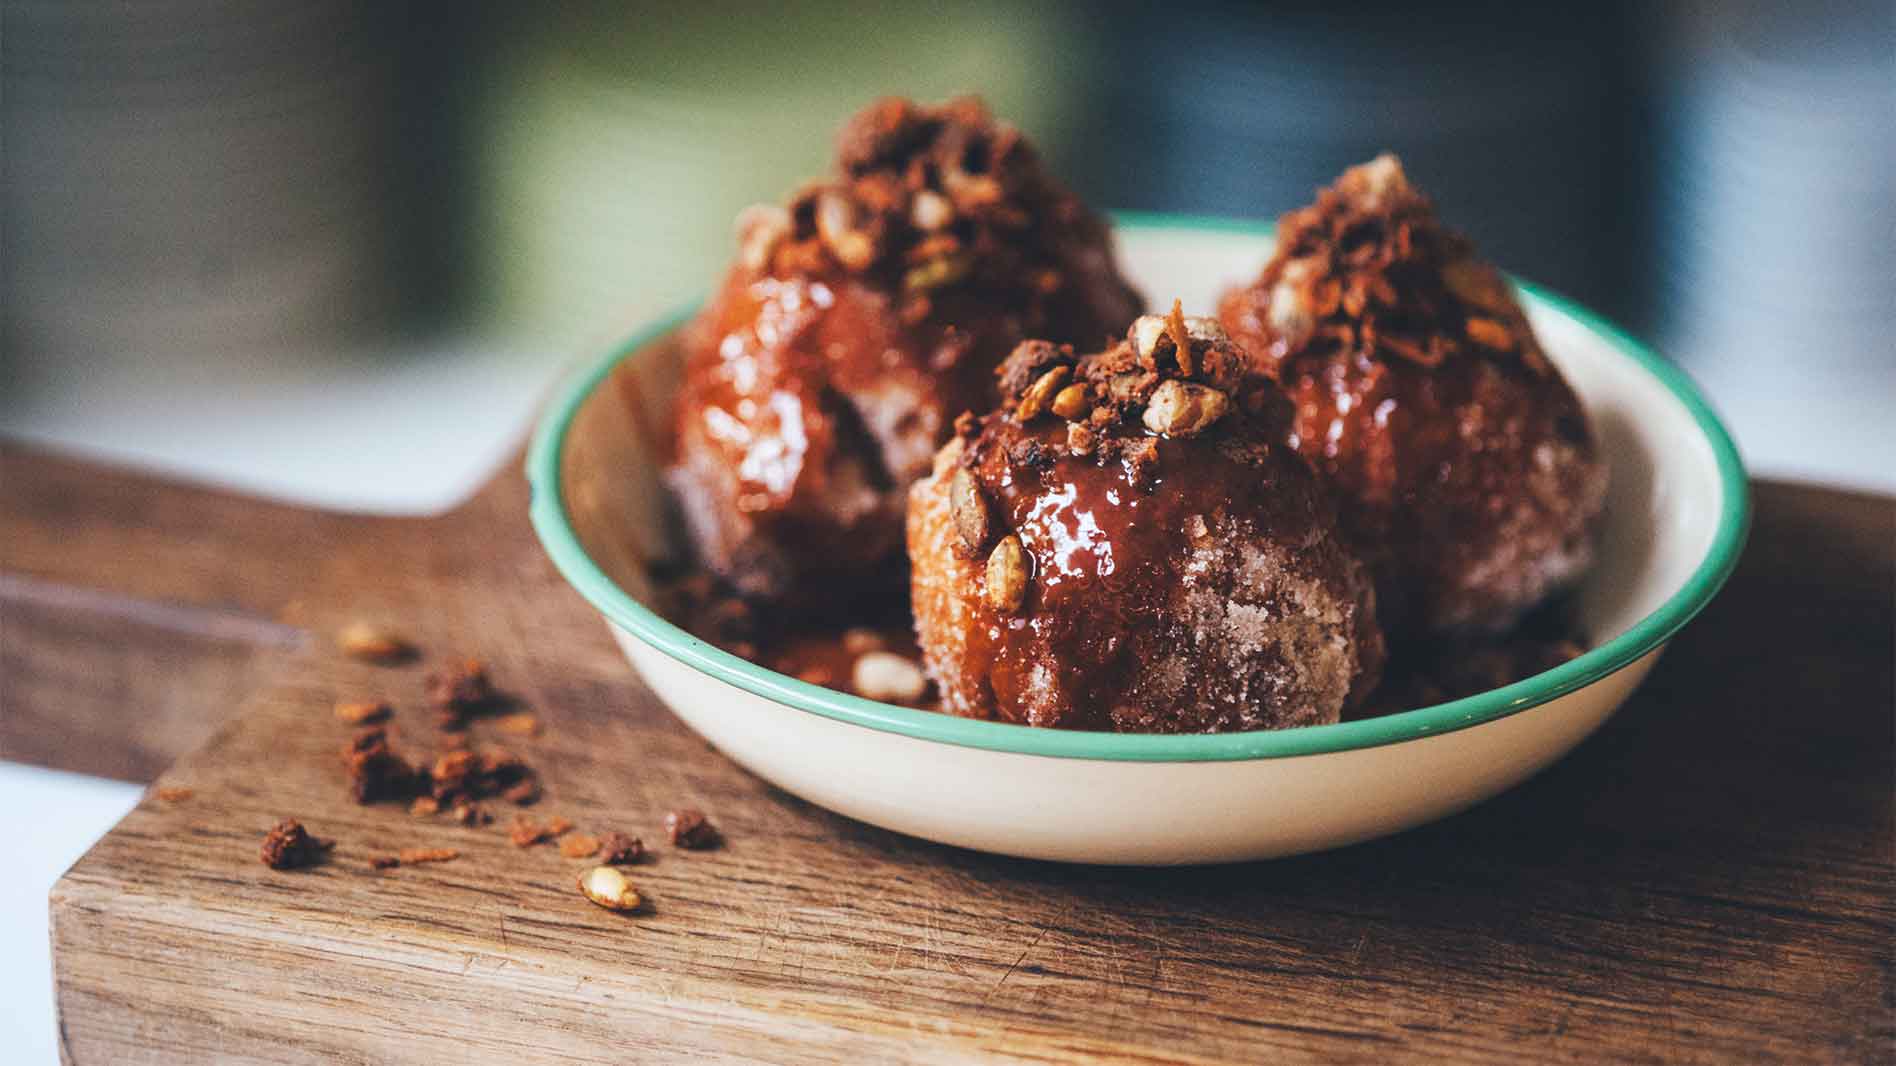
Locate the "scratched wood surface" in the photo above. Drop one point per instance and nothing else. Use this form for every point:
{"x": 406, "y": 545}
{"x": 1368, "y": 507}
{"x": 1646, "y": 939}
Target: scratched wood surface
{"x": 1710, "y": 878}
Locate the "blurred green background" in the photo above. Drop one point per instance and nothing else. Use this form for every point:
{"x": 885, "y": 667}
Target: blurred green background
{"x": 616, "y": 143}
{"x": 245, "y": 190}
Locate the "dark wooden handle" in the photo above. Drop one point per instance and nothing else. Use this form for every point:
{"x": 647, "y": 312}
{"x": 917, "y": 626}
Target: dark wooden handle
{"x": 137, "y": 610}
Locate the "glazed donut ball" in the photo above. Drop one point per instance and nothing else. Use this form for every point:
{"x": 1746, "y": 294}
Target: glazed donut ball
{"x": 857, "y": 322}
{"x": 1465, "y": 471}
{"x": 1126, "y": 544}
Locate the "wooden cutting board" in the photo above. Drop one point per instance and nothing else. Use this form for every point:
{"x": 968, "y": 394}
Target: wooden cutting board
{"x": 1710, "y": 878}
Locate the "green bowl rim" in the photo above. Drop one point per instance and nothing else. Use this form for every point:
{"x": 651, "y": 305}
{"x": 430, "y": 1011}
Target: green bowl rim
{"x": 556, "y": 534}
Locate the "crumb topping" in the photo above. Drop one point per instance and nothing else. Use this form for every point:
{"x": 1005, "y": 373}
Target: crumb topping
{"x": 1370, "y": 269}
{"x": 1173, "y": 376}
{"x": 927, "y": 198}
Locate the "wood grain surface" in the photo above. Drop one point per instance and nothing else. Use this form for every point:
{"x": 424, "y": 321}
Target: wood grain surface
{"x": 1711, "y": 878}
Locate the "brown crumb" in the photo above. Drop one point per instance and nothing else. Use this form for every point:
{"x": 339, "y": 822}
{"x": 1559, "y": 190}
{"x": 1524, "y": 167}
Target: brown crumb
{"x": 460, "y": 775}
{"x": 502, "y": 767}
{"x": 459, "y": 692}
{"x": 557, "y": 825}
{"x": 1028, "y": 364}
{"x": 374, "y": 643}
{"x": 450, "y": 773}
{"x": 688, "y": 828}
{"x": 471, "y": 814}
{"x": 175, "y": 793}
{"x": 617, "y": 847}
{"x": 363, "y": 712}
{"x": 579, "y": 845}
{"x": 524, "y": 794}
{"x": 1490, "y": 334}
{"x": 424, "y": 806}
{"x": 415, "y": 855}
{"x": 376, "y": 772}
{"x": 520, "y": 724}
{"x": 288, "y": 845}
{"x": 526, "y": 832}
{"x": 1140, "y": 459}
{"x": 384, "y": 862}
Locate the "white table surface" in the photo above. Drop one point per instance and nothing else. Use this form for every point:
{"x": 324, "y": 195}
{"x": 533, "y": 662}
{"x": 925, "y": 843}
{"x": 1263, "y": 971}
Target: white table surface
{"x": 409, "y": 431}
{"x": 419, "y": 428}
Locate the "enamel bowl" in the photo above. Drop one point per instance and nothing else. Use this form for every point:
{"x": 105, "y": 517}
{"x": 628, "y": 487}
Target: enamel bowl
{"x": 1674, "y": 523}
